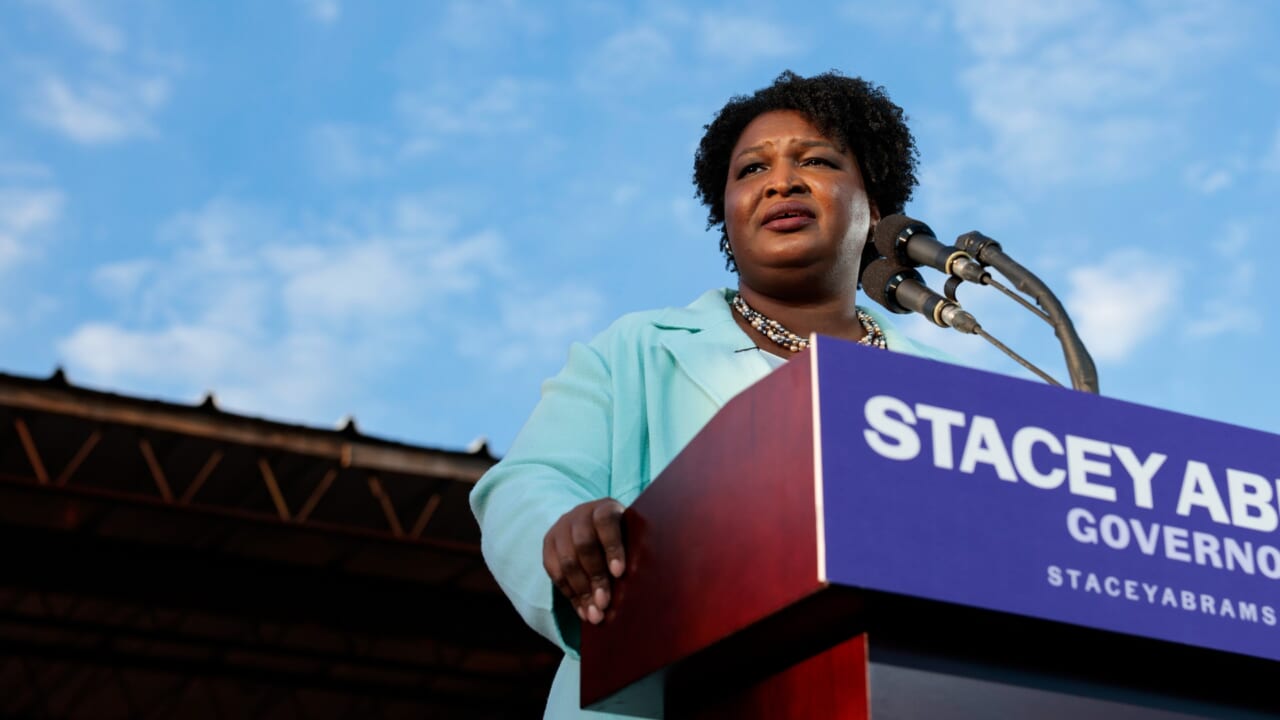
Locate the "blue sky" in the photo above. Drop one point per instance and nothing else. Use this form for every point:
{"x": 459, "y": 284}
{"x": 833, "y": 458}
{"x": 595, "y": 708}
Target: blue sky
{"x": 405, "y": 212}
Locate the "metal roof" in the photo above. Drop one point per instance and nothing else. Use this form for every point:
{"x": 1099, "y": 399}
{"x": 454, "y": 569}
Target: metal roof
{"x": 179, "y": 560}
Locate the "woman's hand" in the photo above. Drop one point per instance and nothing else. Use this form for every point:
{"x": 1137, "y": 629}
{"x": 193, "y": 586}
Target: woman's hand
{"x": 583, "y": 552}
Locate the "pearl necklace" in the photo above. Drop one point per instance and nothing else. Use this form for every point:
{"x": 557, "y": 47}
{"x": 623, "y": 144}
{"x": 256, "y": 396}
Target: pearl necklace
{"x": 774, "y": 330}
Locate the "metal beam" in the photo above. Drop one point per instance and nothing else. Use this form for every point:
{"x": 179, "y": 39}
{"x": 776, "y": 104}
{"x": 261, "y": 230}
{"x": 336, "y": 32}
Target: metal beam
{"x": 273, "y": 488}
{"x": 33, "y": 455}
{"x": 424, "y": 517}
{"x": 251, "y": 432}
{"x": 388, "y": 508}
{"x": 330, "y": 475}
{"x": 92, "y": 504}
{"x": 157, "y": 472}
{"x": 209, "y": 466}
{"x": 81, "y": 455}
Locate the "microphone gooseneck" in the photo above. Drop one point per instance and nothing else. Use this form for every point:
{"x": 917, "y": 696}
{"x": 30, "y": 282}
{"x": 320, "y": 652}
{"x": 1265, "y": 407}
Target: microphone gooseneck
{"x": 1084, "y": 374}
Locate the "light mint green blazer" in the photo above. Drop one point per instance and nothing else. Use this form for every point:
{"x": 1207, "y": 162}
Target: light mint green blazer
{"x": 621, "y": 409}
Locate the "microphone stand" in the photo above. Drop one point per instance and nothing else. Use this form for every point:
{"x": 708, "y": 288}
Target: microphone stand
{"x": 899, "y": 288}
{"x": 1084, "y": 375}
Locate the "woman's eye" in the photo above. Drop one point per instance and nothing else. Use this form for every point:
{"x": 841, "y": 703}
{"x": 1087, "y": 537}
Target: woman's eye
{"x": 751, "y": 169}
{"x": 818, "y": 161}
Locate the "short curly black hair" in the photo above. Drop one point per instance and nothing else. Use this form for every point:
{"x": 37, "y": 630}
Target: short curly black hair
{"x": 851, "y": 111}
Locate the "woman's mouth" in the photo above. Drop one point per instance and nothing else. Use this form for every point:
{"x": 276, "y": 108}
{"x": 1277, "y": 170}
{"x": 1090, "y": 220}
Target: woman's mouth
{"x": 788, "y": 217}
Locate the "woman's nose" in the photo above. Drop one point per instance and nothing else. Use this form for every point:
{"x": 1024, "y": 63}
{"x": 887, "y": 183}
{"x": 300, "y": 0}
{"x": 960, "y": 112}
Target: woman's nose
{"x": 784, "y": 181}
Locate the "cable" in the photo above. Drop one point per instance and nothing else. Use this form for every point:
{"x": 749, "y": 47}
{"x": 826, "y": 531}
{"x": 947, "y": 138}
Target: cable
{"x": 1020, "y": 360}
{"x": 1018, "y": 298}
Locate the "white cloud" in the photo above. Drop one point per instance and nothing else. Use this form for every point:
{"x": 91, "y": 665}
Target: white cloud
{"x": 1224, "y": 316}
{"x": 624, "y": 194}
{"x": 26, "y": 215}
{"x": 109, "y": 108}
{"x": 323, "y": 11}
{"x": 109, "y": 353}
{"x": 378, "y": 277}
{"x": 507, "y": 105}
{"x": 743, "y": 39}
{"x": 1111, "y": 316}
{"x": 121, "y": 280}
{"x": 628, "y": 61}
{"x": 1271, "y": 159}
{"x": 952, "y": 191}
{"x": 20, "y": 171}
{"x": 87, "y": 25}
{"x": 1232, "y": 243}
{"x": 23, "y": 214}
{"x": 1229, "y": 306}
{"x": 1002, "y": 28}
{"x": 1074, "y": 90}
{"x": 489, "y": 24}
{"x": 110, "y": 95}
{"x": 559, "y": 315}
{"x": 690, "y": 218}
{"x": 284, "y": 322}
{"x": 348, "y": 152}
{"x": 1208, "y": 180}
{"x": 901, "y": 17}
{"x": 297, "y": 377}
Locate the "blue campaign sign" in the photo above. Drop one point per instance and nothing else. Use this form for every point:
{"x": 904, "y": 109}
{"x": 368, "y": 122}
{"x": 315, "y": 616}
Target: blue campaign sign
{"x": 968, "y": 487}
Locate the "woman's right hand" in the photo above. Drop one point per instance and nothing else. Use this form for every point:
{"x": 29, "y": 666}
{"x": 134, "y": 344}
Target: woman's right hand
{"x": 583, "y": 553}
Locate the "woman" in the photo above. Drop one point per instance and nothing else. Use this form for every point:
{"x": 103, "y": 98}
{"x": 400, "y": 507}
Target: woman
{"x": 796, "y": 175}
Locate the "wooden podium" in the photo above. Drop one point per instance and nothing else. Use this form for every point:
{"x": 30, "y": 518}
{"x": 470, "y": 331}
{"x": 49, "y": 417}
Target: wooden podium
{"x": 732, "y": 605}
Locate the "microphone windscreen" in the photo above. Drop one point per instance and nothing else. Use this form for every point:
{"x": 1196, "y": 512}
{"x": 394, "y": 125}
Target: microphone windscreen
{"x": 892, "y": 232}
{"x": 869, "y": 255}
{"x": 876, "y": 279}
{"x": 886, "y": 233}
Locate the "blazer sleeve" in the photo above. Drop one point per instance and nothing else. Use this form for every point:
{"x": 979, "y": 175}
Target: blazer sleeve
{"x": 560, "y": 459}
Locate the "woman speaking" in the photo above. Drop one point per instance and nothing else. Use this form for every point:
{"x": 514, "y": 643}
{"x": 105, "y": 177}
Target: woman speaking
{"x": 796, "y": 175}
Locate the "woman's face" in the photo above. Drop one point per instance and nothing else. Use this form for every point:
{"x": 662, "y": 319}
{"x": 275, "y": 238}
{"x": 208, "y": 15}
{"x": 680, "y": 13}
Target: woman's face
{"x": 796, "y": 210}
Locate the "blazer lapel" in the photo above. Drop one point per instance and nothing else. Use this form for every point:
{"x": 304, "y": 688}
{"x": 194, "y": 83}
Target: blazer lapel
{"x": 710, "y": 348}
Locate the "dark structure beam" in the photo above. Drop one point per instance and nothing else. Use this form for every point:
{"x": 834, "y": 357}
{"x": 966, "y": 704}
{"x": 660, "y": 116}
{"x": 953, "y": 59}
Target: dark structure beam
{"x": 221, "y": 427}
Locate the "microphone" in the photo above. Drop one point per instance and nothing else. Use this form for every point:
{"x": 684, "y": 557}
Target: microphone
{"x": 912, "y": 243}
{"x": 900, "y": 289}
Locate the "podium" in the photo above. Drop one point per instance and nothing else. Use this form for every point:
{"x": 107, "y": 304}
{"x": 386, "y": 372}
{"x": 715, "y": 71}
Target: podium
{"x": 865, "y": 534}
